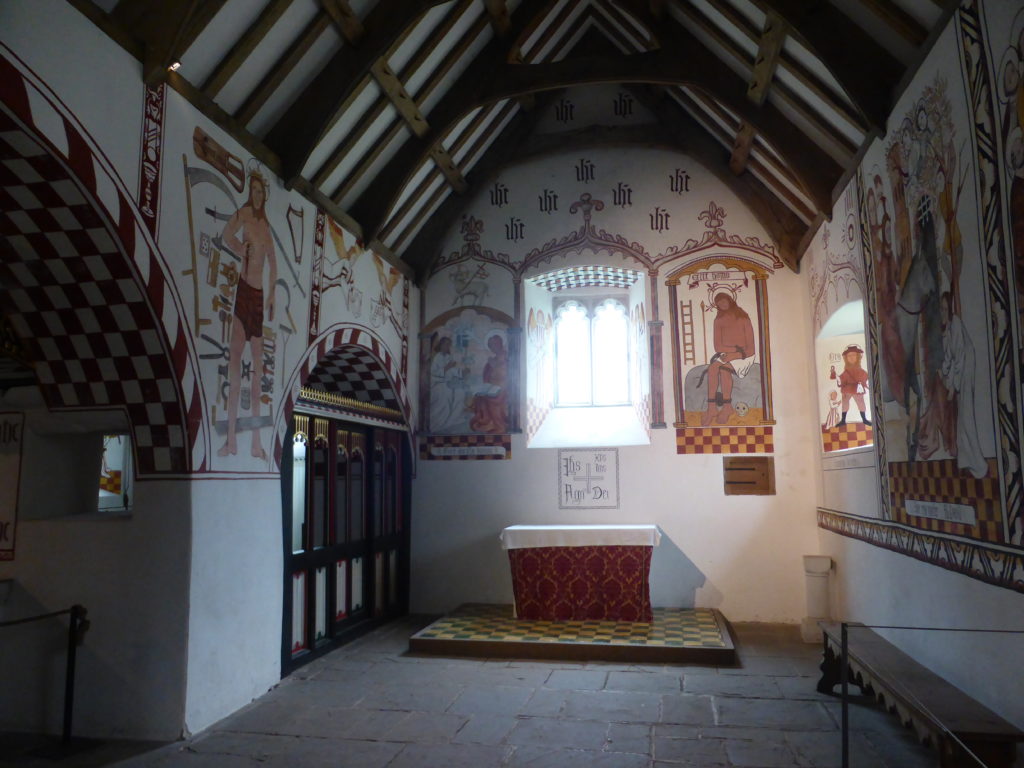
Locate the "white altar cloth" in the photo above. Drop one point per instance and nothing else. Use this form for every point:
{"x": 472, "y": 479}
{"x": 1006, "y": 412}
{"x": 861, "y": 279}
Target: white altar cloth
{"x": 530, "y": 536}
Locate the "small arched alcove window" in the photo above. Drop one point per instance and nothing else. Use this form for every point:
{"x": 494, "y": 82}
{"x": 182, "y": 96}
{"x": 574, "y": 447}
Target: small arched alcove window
{"x": 843, "y": 382}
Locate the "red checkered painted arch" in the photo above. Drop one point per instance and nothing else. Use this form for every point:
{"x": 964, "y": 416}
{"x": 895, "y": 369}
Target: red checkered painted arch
{"x": 349, "y": 360}
{"x": 86, "y": 287}
{"x": 354, "y": 373}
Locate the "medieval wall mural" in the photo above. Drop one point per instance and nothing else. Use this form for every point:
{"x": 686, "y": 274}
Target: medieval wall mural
{"x": 580, "y": 221}
{"x": 936, "y": 199}
{"x": 467, "y": 371}
{"x": 835, "y": 261}
{"x": 272, "y": 287}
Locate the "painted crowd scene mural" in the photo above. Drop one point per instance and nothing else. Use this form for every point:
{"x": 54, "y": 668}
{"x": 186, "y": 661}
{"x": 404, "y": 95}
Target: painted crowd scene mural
{"x": 940, "y": 225}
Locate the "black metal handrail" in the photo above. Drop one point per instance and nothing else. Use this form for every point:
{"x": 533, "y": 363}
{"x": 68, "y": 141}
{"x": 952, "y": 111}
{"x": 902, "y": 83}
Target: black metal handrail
{"x": 844, "y": 681}
{"x": 77, "y": 628}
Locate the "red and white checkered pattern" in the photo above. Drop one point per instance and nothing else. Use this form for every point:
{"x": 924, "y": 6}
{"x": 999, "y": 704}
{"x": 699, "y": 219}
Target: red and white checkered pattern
{"x": 353, "y": 372}
{"x": 725, "y": 440}
{"x": 85, "y": 285}
{"x": 352, "y": 361}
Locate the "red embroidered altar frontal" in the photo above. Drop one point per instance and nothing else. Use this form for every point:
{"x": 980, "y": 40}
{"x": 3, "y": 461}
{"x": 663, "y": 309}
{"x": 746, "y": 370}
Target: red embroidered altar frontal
{"x": 596, "y": 583}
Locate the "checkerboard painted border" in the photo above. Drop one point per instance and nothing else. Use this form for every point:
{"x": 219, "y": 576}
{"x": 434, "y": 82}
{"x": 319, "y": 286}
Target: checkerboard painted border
{"x": 849, "y": 435}
{"x": 942, "y": 482}
{"x": 587, "y": 276}
{"x": 93, "y": 296}
{"x": 376, "y": 374}
{"x": 725, "y": 440}
{"x": 353, "y": 372}
{"x": 462, "y": 447}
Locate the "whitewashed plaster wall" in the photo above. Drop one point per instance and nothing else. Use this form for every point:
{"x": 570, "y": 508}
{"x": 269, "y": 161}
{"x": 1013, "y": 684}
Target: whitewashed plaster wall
{"x": 100, "y": 82}
{"x": 739, "y": 554}
{"x": 234, "y": 651}
{"x": 875, "y": 586}
{"x": 131, "y": 574}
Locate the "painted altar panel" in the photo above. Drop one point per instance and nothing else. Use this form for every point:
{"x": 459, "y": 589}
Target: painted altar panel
{"x": 1005, "y": 48}
{"x": 844, "y": 402}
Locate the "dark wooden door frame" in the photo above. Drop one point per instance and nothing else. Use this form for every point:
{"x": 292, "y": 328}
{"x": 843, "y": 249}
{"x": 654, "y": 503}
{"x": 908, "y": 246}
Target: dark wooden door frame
{"x": 348, "y": 629}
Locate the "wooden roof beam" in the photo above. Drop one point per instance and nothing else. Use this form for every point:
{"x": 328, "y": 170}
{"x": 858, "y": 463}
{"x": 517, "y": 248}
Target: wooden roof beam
{"x": 806, "y": 78}
{"x": 379, "y": 198}
{"x": 781, "y": 223}
{"x": 282, "y": 67}
{"x": 436, "y": 77}
{"x": 166, "y": 28}
{"x": 370, "y": 116}
{"x": 860, "y": 64}
{"x": 345, "y": 19}
{"x": 296, "y": 134}
{"x": 244, "y": 46}
{"x": 763, "y": 73}
{"x": 898, "y": 20}
{"x": 768, "y": 49}
{"x": 741, "y": 147}
{"x": 425, "y": 246}
{"x": 782, "y": 187}
{"x": 637, "y": 12}
{"x": 491, "y": 81}
{"x": 395, "y": 92}
{"x": 498, "y": 12}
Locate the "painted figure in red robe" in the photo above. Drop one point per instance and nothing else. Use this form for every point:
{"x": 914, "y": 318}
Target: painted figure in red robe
{"x": 490, "y": 404}
{"x": 853, "y": 383}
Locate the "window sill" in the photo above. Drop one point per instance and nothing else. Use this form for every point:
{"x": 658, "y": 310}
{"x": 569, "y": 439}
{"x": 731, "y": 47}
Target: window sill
{"x": 100, "y": 514}
{"x": 590, "y": 427}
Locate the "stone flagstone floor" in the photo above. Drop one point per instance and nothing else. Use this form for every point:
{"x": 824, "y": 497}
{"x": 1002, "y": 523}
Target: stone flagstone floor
{"x": 371, "y": 705}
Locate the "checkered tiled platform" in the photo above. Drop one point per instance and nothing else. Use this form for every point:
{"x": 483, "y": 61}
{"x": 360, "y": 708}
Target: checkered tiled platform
{"x": 676, "y": 635}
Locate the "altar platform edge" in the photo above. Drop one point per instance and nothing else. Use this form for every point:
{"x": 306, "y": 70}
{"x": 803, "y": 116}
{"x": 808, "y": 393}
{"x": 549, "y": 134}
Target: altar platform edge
{"x": 676, "y": 636}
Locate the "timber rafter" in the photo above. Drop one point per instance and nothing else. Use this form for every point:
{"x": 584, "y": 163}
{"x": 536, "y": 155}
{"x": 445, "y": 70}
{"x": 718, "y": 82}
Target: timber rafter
{"x": 296, "y": 134}
{"x": 858, "y": 62}
{"x": 496, "y": 80}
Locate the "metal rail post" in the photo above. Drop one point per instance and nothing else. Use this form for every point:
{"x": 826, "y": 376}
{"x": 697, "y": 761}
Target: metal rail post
{"x": 844, "y": 679}
{"x": 69, "y": 674}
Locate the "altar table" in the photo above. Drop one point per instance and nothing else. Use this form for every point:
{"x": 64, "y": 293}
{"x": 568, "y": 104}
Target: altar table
{"x": 581, "y": 572}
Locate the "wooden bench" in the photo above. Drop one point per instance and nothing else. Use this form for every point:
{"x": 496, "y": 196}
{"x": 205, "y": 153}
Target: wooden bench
{"x": 933, "y": 706}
